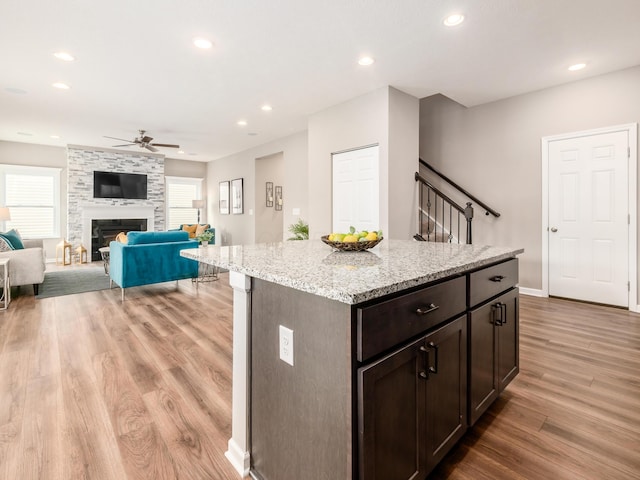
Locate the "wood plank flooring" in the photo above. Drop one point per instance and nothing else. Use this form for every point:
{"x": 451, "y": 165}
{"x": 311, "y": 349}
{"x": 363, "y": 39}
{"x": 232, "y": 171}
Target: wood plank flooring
{"x": 92, "y": 388}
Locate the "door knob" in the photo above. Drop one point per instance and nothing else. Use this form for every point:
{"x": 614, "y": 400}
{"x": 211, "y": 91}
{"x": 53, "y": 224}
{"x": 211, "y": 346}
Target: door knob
{"x": 554, "y": 229}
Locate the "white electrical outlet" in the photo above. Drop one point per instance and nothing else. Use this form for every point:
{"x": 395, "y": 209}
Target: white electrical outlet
{"x": 286, "y": 345}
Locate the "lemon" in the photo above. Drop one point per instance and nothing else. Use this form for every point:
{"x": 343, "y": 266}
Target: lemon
{"x": 331, "y": 237}
{"x": 371, "y": 237}
{"x": 350, "y": 239}
{"x": 338, "y": 237}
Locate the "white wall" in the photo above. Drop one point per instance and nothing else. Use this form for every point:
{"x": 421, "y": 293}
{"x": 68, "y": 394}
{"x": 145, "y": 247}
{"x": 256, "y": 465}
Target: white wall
{"x": 386, "y": 117}
{"x": 240, "y": 229}
{"x": 493, "y": 151}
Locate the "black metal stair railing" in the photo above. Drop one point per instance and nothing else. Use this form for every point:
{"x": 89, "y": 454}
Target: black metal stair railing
{"x": 440, "y": 218}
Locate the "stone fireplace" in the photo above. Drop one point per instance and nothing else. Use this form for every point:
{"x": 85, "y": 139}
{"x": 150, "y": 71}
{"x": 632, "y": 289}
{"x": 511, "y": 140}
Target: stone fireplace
{"x": 83, "y": 208}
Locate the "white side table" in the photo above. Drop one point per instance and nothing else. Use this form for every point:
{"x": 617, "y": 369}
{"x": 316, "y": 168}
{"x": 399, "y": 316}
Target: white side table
{"x": 5, "y": 298}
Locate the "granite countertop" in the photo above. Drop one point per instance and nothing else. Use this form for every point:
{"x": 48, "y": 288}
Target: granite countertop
{"x": 350, "y": 277}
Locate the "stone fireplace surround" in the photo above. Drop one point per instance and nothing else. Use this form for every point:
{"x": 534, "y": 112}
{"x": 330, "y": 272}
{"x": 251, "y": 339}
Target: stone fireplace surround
{"x": 82, "y": 208}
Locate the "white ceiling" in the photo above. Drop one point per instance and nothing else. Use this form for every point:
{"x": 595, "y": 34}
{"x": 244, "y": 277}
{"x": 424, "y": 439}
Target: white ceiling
{"x": 136, "y": 66}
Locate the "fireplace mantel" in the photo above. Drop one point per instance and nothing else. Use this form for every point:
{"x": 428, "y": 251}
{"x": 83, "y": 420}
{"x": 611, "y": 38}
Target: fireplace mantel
{"x": 106, "y": 212}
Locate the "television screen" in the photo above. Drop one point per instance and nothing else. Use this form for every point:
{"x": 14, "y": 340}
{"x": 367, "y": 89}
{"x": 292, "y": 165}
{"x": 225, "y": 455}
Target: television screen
{"x": 119, "y": 185}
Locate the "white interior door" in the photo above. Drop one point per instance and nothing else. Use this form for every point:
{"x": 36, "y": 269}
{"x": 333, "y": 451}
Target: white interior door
{"x": 356, "y": 190}
{"x": 589, "y": 218}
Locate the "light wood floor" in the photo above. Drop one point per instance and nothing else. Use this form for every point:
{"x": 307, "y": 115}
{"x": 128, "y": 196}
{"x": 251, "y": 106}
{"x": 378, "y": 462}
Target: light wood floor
{"x": 91, "y": 388}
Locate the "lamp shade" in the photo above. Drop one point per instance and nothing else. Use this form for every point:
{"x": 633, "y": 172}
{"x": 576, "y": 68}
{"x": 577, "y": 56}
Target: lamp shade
{"x": 197, "y": 203}
{"x": 4, "y": 214}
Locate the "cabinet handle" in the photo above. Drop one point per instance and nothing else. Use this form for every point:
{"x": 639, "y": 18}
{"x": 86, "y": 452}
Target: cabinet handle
{"x": 423, "y": 375}
{"x": 500, "y": 319}
{"x": 433, "y": 347}
{"x": 497, "y": 278}
{"x": 430, "y": 308}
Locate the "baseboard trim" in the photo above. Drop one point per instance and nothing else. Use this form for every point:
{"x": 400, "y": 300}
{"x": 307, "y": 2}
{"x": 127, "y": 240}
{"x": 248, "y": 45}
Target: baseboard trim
{"x": 238, "y": 458}
{"x": 532, "y": 292}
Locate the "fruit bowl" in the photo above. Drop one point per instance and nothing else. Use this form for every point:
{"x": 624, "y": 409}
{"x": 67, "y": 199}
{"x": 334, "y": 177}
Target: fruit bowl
{"x": 351, "y": 246}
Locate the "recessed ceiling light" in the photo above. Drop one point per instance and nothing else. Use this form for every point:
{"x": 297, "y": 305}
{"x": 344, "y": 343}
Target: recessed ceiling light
{"x": 61, "y": 86}
{"x": 242, "y": 123}
{"x": 202, "y": 42}
{"x": 54, "y": 136}
{"x": 181, "y": 152}
{"x": 64, "y": 56}
{"x": 366, "y": 61}
{"x": 267, "y": 108}
{"x": 577, "y": 66}
{"x": 454, "y": 19}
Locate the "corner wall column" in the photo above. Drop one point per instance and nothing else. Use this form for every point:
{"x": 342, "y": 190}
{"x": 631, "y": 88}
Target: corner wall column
{"x": 238, "y": 446}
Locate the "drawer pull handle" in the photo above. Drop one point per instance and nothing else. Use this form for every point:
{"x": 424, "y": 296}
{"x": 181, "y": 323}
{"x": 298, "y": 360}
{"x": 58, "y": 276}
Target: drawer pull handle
{"x": 497, "y": 278}
{"x": 423, "y": 375}
{"x": 429, "y": 309}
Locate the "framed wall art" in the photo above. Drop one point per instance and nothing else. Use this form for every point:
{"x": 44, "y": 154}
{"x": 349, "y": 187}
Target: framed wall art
{"x": 224, "y": 197}
{"x": 237, "y": 198}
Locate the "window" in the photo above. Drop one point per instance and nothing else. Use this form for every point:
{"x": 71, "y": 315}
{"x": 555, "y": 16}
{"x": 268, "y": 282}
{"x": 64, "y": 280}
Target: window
{"x": 33, "y": 197}
{"x": 181, "y": 191}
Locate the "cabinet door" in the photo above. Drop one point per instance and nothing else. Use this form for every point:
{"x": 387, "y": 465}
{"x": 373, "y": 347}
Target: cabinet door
{"x": 493, "y": 351}
{"x": 391, "y": 421}
{"x": 446, "y": 388}
{"x": 483, "y": 380}
{"x": 507, "y": 364}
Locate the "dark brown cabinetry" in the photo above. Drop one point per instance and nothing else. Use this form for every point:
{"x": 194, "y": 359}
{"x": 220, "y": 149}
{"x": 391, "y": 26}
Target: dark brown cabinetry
{"x": 412, "y": 405}
{"x": 493, "y": 337}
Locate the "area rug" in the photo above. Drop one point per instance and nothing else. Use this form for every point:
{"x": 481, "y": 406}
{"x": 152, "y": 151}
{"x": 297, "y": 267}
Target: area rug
{"x": 76, "y": 280}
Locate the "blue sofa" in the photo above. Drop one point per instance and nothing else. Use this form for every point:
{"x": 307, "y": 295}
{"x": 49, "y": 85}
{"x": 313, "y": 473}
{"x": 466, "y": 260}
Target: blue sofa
{"x": 151, "y": 257}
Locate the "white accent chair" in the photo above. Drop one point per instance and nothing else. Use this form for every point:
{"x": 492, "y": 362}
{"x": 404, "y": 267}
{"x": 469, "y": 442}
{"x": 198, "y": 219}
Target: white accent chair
{"x": 27, "y": 265}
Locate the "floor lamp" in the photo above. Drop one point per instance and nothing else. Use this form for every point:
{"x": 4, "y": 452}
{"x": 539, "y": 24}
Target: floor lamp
{"x": 197, "y": 204}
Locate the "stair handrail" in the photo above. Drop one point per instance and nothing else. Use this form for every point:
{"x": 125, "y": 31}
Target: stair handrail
{"x": 488, "y": 209}
{"x": 467, "y": 211}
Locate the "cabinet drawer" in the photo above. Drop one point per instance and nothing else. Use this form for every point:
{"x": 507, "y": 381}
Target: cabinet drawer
{"x": 492, "y": 281}
{"x": 390, "y": 323}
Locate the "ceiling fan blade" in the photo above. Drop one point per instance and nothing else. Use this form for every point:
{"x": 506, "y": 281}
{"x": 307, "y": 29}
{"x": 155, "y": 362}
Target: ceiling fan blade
{"x": 125, "y": 145}
{"x": 150, "y": 147}
{"x": 146, "y": 139}
{"x": 166, "y": 145}
{"x": 116, "y": 138}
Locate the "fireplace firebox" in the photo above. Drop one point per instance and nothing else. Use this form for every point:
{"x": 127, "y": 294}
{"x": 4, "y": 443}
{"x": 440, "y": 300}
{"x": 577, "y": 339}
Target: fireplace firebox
{"x": 104, "y": 231}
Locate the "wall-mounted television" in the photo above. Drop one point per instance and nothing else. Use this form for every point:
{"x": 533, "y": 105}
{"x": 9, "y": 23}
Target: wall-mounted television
{"x": 119, "y": 185}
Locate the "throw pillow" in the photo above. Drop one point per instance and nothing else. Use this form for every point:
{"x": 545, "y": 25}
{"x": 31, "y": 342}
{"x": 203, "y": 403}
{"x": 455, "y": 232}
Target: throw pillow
{"x": 121, "y": 237}
{"x": 201, "y": 229}
{"x": 190, "y": 229}
{"x": 14, "y": 239}
{"x": 5, "y": 245}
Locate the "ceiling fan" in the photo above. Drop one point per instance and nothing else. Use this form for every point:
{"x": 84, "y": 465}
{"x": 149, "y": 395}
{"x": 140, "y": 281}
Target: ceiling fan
{"x": 143, "y": 141}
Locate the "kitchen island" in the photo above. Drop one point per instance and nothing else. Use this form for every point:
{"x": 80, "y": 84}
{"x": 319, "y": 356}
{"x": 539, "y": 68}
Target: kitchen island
{"x": 354, "y": 364}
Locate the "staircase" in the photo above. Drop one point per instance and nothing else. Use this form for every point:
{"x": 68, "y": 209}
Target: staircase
{"x": 441, "y": 219}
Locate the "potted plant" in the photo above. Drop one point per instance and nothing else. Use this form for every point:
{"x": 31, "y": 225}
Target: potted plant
{"x": 205, "y": 237}
{"x": 300, "y": 229}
